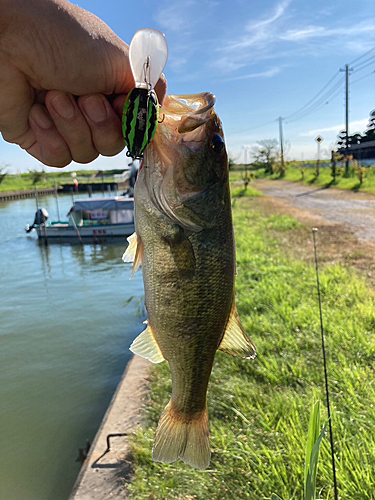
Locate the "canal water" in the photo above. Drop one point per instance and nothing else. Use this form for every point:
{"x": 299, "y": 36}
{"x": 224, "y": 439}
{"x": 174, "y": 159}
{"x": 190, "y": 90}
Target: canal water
{"x": 68, "y": 314}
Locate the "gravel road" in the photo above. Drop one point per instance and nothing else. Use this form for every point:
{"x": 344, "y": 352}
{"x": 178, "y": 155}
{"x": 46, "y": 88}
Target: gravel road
{"x": 356, "y": 210}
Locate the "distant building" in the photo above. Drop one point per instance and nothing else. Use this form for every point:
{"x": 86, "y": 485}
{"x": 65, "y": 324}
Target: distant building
{"x": 364, "y": 153}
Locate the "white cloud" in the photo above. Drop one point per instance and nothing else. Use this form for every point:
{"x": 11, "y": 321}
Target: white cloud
{"x": 269, "y": 73}
{"x": 279, "y": 35}
{"x": 355, "y": 126}
{"x": 297, "y": 35}
{"x": 258, "y": 31}
{"x": 175, "y": 16}
{"x": 279, "y": 11}
{"x": 322, "y": 32}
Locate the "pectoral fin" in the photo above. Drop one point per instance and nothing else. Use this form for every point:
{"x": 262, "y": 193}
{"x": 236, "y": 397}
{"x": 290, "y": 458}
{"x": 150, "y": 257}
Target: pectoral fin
{"x": 235, "y": 340}
{"x": 182, "y": 252}
{"x": 146, "y": 346}
{"x": 134, "y": 252}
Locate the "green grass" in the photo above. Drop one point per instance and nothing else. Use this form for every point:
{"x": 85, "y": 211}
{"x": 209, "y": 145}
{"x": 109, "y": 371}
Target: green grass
{"x": 314, "y": 440}
{"x": 240, "y": 191}
{"x": 259, "y": 410}
{"x": 308, "y": 176}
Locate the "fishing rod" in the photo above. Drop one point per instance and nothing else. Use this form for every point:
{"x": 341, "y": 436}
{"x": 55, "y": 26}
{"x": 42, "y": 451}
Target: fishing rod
{"x": 314, "y": 230}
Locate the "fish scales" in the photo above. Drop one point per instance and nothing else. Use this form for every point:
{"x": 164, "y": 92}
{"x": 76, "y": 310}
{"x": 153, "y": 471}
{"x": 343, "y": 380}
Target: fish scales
{"x": 186, "y": 245}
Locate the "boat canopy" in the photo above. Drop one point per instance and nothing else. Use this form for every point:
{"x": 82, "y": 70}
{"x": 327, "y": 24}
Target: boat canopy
{"x": 114, "y": 203}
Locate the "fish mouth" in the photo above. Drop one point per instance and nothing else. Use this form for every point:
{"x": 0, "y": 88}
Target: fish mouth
{"x": 188, "y": 105}
{"x": 183, "y": 120}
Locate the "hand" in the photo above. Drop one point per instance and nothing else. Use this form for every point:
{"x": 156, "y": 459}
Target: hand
{"x": 63, "y": 81}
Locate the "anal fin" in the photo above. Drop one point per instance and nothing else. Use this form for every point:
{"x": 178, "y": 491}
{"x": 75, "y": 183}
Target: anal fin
{"x": 235, "y": 340}
{"x": 146, "y": 346}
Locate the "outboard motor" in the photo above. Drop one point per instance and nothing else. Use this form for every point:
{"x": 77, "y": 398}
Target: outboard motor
{"x": 40, "y": 218}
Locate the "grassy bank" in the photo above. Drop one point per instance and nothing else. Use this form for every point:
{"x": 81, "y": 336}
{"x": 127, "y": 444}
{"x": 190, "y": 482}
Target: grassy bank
{"x": 359, "y": 179}
{"x": 259, "y": 410}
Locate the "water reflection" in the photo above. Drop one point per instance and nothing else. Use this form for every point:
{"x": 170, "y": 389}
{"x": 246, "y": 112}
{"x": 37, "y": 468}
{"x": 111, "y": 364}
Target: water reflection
{"x": 88, "y": 254}
{"x": 44, "y": 254}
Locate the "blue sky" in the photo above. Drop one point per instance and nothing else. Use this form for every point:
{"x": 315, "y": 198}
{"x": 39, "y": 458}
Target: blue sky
{"x": 262, "y": 60}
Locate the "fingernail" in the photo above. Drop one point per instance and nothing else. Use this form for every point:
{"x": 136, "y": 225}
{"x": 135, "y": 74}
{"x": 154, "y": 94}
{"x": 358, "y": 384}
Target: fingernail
{"x": 41, "y": 117}
{"x": 63, "y": 106}
{"x": 95, "y": 109}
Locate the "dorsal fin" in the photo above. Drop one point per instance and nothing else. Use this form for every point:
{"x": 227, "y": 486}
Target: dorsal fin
{"x": 134, "y": 252}
{"x": 235, "y": 340}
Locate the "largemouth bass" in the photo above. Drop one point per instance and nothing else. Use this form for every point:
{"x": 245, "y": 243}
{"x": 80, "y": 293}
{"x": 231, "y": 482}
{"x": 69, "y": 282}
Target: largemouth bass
{"x": 184, "y": 240}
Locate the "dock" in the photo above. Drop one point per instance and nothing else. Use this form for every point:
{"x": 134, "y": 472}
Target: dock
{"x": 26, "y": 193}
{"x": 83, "y": 188}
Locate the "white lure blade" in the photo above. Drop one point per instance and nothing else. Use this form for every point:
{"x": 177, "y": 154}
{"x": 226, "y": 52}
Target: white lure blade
{"x": 148, "y": 56}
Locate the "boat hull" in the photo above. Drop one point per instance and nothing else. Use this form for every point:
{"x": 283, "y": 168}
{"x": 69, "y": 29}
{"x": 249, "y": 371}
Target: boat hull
{"x": 69, "y": 232}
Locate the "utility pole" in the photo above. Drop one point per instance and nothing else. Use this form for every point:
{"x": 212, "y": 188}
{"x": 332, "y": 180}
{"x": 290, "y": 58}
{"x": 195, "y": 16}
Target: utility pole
{"x": 347, "y": 70}
{"x": 281, "y": 143}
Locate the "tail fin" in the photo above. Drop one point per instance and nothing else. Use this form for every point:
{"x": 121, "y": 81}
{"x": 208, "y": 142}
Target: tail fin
{"x": 182, "y": 437}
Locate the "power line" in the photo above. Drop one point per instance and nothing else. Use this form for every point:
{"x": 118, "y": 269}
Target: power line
{"x": 315, "y": 96}
{"x": 363, "y": 55}
{"x": 324, "y": 99}
{"x": 365, "y": 64}
{"x": 363, "y": 77}
{"x": 318, "y": 100}
{"x": 322, "y": 105}
{"x": 323, "y": 96}
{"x": 260, "y": 126}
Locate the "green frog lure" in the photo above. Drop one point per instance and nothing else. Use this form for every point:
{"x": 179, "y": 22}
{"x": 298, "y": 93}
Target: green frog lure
{"x": 148, "y": 54}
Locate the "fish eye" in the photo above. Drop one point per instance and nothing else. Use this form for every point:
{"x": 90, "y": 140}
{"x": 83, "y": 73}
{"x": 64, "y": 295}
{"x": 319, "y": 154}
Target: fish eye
{"x": 217, "y": 143}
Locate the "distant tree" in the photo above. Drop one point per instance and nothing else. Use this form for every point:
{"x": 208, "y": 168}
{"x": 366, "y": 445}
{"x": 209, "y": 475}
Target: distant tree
{"x": 355, "y": 139}
{"x": 231, "y": 163}
{"x": 36, "y": 176}
{"x": 3, "y": 173}
{"x": 266, "y": 154}
{"x": 341, "y": 139}
{"x": 369, "y": 134}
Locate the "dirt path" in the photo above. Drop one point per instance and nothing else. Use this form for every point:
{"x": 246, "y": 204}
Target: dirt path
{"x": 355, "y": 210}
{"x": 346, "y": 223}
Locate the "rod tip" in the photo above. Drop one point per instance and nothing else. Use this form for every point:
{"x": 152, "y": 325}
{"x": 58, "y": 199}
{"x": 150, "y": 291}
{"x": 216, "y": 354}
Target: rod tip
{"x": 314, "y": 229}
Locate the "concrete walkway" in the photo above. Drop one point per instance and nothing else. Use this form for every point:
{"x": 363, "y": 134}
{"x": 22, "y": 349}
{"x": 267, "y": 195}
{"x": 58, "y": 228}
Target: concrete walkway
{"x": 103, "y": 474}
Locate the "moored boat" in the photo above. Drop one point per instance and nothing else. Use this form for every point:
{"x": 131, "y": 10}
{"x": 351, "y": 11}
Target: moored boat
{"x": 94, "y": 218}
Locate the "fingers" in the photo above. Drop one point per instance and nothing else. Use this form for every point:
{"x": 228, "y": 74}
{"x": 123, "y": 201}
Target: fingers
{"x": 71, "y": 125}
{"x": 49, "y": 146}
{"x": 66, "y": 130}
{"x": 104, "y": 123}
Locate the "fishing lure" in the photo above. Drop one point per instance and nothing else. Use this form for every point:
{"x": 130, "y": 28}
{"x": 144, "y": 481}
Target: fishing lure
{"x": 148, "y": 54}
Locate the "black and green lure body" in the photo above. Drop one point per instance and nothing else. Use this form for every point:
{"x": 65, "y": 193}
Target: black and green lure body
{"x": 139, "y": 120}
{"x": 148, "y": 54}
